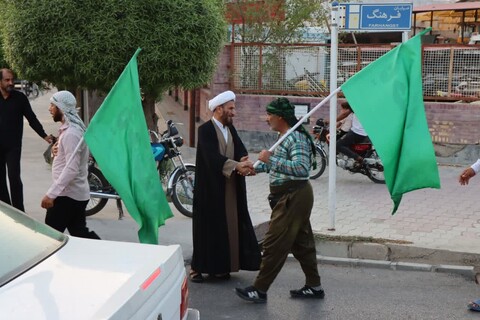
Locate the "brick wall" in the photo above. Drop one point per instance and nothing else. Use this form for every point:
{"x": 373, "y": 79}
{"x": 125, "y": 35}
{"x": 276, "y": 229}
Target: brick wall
{"x": 454, "y": 123}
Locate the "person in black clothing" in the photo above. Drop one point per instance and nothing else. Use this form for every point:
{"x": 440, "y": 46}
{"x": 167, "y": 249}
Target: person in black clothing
{"x": 224, "y": 240}
{"x": 14, "y": 105}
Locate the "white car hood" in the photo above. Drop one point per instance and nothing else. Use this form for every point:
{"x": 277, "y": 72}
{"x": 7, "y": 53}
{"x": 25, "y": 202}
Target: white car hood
{"x": 78, "y": 280}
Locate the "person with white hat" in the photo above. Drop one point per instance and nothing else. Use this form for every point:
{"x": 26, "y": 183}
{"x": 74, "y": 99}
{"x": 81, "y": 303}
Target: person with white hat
{"x": 223, "y": 237}
{"x": 69, "y": 194}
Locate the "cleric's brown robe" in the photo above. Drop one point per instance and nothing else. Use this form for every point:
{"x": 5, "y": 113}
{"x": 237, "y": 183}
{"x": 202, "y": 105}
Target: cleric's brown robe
{"x": 227, "y": 149}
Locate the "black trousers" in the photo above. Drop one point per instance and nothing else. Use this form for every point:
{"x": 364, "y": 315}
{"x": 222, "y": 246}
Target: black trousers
{"x": 68, "y": 213}
{"x": 10, "y": 160}
{"x": 343, "y": 144}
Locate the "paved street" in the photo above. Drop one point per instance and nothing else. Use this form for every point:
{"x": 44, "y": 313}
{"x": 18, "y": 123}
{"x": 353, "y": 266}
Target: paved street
{"x": 448, "y": 218}
{"x": 351, "y": 293}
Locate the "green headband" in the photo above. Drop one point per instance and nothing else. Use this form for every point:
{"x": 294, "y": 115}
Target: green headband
{"x": 281, "y": 107}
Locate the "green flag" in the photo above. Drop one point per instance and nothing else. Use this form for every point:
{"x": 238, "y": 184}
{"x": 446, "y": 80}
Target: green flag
{"x": 387, "y": 98}
{"x": 118, "y": 139}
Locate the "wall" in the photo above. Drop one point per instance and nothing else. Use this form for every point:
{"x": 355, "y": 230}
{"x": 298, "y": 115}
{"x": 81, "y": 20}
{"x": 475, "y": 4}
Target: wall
{"x": 454, "y": 126}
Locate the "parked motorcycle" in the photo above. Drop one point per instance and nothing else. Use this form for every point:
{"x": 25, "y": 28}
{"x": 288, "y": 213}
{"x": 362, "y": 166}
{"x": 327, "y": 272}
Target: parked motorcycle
{"x": 372, "y": 166}
{"x": 177, "y": 177}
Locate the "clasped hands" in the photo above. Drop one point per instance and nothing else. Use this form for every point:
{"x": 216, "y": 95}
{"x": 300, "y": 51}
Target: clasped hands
{"x": 245, "y": 167}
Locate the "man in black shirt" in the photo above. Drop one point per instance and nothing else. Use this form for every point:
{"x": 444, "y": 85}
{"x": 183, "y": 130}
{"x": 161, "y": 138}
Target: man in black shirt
{"x": 14, "y": 105}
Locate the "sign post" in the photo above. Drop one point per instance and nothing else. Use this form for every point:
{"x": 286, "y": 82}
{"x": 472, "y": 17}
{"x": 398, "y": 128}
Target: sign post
{"x": 364, "y": 17}
{"x": 332, "y": 154}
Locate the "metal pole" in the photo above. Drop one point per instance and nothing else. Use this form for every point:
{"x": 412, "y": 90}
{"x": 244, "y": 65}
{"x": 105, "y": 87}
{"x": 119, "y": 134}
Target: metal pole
{"x": 332, "y": 156}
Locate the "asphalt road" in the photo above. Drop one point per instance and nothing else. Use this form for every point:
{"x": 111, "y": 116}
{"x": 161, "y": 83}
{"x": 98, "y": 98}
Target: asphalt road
{"x": 351, "y": 293}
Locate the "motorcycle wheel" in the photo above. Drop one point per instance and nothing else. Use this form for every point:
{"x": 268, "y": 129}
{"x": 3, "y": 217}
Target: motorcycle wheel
{"x": 373, "y": 173}
{"x": 182, "y": 191}
{"x": 96, "y": 181}
{"x": 35, "y": 92}
{"x": 321, "y": 157}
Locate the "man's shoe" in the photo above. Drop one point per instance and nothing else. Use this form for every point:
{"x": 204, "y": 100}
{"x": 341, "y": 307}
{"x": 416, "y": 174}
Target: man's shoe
{"x": 307, "y": 292}
{"x": 251, "y": 294}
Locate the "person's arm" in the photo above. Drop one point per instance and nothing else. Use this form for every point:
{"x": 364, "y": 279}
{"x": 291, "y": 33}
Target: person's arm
{"x": 33, "y": 120}
{"x": 297, "y": 163}
{"x": 469, "y": 173}
{"x": 343, "y": 114}
{"x": 207, "y": 149}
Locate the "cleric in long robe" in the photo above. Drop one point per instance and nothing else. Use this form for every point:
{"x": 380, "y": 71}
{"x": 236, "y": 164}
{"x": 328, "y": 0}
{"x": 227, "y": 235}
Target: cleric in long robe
{"x": 224, "y": 240}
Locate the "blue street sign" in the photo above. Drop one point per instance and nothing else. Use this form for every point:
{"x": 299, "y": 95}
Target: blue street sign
{"x": 377, "y": 17}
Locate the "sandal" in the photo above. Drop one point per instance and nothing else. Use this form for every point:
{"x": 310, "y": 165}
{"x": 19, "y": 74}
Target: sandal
{"x": 195, "y": 276}
{"x": 474, "y": 306}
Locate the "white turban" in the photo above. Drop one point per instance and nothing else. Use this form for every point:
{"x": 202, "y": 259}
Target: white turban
{"x": 66, "y": 102}
{"x": 222, "y": 98}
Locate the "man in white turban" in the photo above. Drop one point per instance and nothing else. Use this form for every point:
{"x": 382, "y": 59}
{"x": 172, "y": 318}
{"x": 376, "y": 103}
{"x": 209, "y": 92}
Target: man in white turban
{"x": 221, "y": 99}
{"x": 223, "y": 237}
{"x": 69, "y": 194}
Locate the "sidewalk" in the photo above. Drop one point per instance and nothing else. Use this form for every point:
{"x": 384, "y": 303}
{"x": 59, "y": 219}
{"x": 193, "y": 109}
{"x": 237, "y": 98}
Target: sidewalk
{"x": 431, "y": 226}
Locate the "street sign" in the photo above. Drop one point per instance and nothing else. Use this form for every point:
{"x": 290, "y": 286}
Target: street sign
{"x": 375, "y": 17}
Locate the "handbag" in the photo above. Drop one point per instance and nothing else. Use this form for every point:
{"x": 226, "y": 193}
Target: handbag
{"x": 47, "y": 155}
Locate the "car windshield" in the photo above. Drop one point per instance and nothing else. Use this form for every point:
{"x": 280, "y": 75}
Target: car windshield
{"x": 24, "y": 242}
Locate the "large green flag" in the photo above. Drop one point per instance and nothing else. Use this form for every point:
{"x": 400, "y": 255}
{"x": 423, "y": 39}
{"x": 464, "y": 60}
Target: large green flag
{"x": 118, "y": 139}
{"x": 387, "y": 98}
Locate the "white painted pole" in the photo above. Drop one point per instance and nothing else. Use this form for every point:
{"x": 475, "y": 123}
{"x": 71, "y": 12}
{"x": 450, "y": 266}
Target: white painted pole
{"x": 332, "y": 154}
{"x": 404, "y": 36}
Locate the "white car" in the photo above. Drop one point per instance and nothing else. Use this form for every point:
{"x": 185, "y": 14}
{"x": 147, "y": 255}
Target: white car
{"x": 45, "y": 274}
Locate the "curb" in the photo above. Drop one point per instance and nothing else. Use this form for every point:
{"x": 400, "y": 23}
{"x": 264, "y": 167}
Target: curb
{"x": 390, "y": 256}
{"x": 395, "y": 253}
{"x": 465, "y": 271}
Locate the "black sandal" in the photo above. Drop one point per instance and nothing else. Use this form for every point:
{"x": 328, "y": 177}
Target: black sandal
{"x": 195, "y": 276}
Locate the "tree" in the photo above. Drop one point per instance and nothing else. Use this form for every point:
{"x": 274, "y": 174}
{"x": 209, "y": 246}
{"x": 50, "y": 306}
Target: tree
{"x": 276, "y": 21}
{"x": 87, "y": 43}
{"x": 271, "y": 21}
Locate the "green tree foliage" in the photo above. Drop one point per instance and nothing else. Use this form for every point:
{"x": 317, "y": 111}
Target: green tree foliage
{"x": 87, "y": 43}
{"x": 3, "y": 63}
{"x": 276, "y": 21}
{"x": 272, "y": 21}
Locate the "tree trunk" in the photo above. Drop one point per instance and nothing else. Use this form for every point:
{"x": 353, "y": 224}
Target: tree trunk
{"x": 151, "y": 117}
